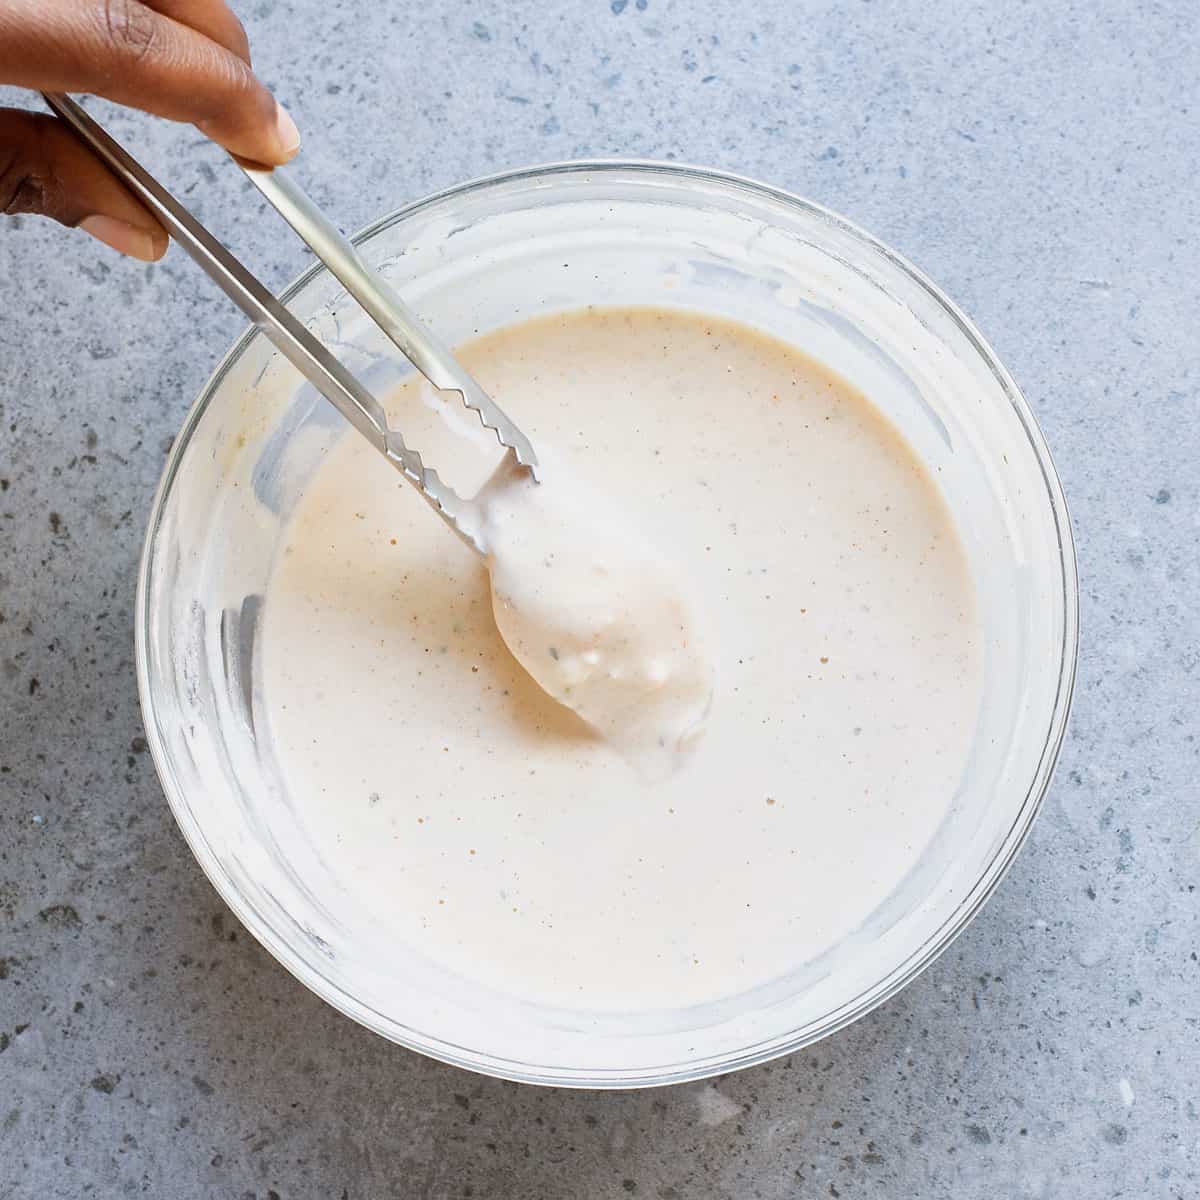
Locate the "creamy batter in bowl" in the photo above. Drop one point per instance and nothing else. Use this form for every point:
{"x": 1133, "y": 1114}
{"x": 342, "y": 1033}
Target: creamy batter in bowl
{"x": 367, "y": 895}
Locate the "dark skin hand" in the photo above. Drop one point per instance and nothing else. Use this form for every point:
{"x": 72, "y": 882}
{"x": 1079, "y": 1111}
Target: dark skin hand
{"x": 187, "y": 60}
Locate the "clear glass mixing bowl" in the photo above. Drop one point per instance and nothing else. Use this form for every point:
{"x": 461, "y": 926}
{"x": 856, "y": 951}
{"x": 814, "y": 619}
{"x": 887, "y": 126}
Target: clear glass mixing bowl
{"x": 483, "y": 255}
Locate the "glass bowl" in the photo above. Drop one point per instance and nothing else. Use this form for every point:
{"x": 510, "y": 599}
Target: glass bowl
{"x": 470, "y": 260}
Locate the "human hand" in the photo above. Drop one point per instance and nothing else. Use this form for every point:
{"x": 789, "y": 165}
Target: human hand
{"x": 187, "y": 60}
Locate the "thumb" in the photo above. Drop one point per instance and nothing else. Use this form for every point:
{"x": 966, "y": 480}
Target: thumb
{"x": 45, "y": 170}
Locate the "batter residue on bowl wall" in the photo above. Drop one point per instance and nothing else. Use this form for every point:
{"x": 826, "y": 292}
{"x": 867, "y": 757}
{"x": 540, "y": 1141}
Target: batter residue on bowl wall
{"x": 488, "y": 827}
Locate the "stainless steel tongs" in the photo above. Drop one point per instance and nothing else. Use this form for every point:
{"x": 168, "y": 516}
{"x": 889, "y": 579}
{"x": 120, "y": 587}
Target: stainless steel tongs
{"x": 337, "y": 384}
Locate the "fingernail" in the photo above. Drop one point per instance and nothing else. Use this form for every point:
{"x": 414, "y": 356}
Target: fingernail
{"x": 120, "y": 235}
{"x": 286, "y": 131}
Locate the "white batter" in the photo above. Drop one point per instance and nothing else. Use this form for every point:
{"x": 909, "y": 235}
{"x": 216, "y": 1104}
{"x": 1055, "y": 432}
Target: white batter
{"x": 488, "y": 827}
{"x": 596, "y": 614}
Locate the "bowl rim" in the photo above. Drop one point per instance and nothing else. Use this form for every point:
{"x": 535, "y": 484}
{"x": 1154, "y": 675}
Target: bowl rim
{"x": 613, "y": 1078}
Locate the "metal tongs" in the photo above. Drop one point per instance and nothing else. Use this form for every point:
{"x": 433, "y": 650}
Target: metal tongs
{"x": 326, "y": 373}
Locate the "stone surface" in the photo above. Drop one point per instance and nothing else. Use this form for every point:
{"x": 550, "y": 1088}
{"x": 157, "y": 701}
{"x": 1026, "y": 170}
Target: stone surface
{"x": 1040, "y": 162}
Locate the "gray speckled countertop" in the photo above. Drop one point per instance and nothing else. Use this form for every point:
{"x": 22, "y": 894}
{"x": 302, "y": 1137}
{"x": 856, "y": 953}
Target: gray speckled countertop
{"x": 1041, "y": 162}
